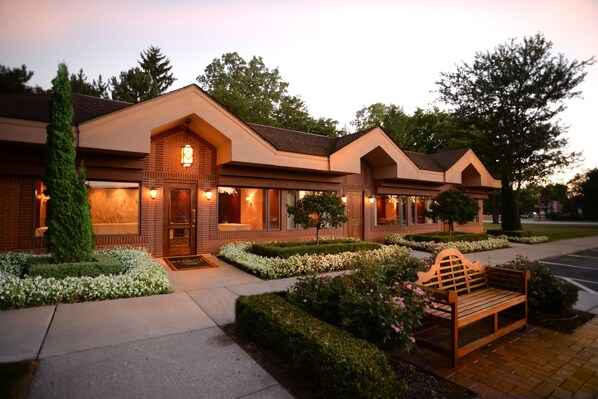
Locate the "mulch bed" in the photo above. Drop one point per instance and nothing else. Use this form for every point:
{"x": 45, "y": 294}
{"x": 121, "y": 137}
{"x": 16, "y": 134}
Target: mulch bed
{"x": 566, "y": 322}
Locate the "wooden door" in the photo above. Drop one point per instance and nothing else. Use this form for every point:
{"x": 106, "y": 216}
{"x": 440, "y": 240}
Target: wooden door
{"x": 355, "y": 214}
{"x": 180, "y": 202}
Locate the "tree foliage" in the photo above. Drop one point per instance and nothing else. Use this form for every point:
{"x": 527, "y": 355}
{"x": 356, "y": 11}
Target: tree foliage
{"x": 325, "y": 210}
{"x": 584, "y": 193}
{"x": 150, "y": 79}
{"x": 80, "y": 85}
{"x": 512, "y": 96}
{"x": 257, "y": 94}
{"x": 426, "y": 131}
{"x": 454, "y": 206}
{"x": 14, "y": 80}
{"x": 69, "y": 234}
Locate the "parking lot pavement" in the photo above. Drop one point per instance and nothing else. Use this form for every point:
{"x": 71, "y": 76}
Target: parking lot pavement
{"x": 579, "y": 268}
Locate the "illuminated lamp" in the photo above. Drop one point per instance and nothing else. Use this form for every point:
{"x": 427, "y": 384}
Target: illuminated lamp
{"x": 153, "y": 193}
{"x": 187, "y": 150}
{"x": 208, "y": 195}
{"x": 371, "y": 199}
{"x": 344, "y": 199}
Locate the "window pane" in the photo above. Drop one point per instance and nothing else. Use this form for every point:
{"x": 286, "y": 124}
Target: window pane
{"x": 274, "y": 214}
{"x": 402, "y": 209}
{"x": 40, "y": 200}
{"x": 387, "y": 209}
{"x": 244, "y": 208}
{"x": 180, "y": 206}
{"x": 114, "y": 207}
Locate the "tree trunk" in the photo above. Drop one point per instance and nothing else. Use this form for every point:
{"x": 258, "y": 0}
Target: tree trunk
{"x": 510, "y": 208}
{"x": 495, "y": 208}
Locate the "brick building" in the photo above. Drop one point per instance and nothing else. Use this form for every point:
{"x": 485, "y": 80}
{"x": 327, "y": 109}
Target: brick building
{"x": 234, "y": 185}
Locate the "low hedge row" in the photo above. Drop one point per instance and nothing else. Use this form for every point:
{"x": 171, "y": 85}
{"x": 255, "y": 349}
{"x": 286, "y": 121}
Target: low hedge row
{"x": 444, "y": 237}
{"x": 514, "y": 233}
{"x": 103, "y": 265}
{"x": 341, "y": 365}
{"x": 274, "y": 250}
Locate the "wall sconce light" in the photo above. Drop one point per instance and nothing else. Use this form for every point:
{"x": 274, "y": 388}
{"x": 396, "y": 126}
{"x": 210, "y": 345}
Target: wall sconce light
{"x": 371, "y": 199}
{"x": 344, "y": 199}
{"x": 208, "y": 195}
{"x": 187, "y": 150}
{"x": 153, "y": 193}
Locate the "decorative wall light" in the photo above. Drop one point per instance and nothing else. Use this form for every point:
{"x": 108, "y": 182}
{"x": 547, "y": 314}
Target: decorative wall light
{"x": 208, "y": 195}
{"x": 187, "y": 150}
{"x": 344, "y": 199}
{"x": 153, "y": 193}
{"x": 371, "y": 199}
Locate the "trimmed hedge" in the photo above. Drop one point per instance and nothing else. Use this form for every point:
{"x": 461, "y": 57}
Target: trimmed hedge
{"x": 444, "y": 237}
{"x": 288, "y": 249}
{"x": 102, "y": 265}
{"x": 341, "y": 365}
{"x": 509, "y": 233}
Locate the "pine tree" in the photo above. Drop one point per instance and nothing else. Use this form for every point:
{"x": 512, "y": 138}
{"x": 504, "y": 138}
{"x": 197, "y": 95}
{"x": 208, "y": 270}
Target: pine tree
{"x": 69, "y": 234}
{"x": 157, "y": 66}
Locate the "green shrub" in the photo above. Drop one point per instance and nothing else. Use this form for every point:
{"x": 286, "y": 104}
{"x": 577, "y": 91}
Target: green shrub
{"x": 376, "y": 302}
{"x": 341, "y": 365}
{"x": 509, "y": 233}
{"x": 102, "y": 265}
{"x": 546, "y": 293}
{"x": 445, "y": 237}
{"x": 288, "y": 249}
{"x": 14, "y": 263}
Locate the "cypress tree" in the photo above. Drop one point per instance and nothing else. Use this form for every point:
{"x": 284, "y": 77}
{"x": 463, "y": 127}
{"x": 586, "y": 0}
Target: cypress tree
{"x": 69, "y": 234}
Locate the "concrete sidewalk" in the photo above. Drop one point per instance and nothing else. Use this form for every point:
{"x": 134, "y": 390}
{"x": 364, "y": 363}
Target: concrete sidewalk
{"x": 168, "y": 345}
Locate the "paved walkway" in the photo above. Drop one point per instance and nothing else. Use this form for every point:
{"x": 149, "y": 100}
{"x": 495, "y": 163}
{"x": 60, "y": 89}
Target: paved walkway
{"x": 172, "y": 346}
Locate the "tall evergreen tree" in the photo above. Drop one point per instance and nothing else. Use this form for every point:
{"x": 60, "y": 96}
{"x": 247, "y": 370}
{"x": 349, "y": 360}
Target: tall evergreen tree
{"x": 80, "y": 85}
{"x": 14, "y": 80}
{"x": 157, "y": 66}
{"x": 69, "y": 234}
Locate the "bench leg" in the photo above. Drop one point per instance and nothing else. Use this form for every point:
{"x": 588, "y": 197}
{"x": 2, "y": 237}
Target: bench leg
{"x": 454, "y": 344}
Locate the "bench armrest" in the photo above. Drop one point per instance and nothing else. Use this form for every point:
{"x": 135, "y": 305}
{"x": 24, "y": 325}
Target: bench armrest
{"x": 507, "y": 279}
{"x": 443, "y": 296}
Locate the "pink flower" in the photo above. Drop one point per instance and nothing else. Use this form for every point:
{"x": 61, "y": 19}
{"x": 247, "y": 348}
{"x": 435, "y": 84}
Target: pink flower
{"x": 395, "y": 328}
{"x": 399, "y": 301}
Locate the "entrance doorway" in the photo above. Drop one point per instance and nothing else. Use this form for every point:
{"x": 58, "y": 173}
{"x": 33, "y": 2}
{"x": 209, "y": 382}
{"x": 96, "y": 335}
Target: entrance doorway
{"x": 355, "y": 214}
{"x": 180, "y": 202}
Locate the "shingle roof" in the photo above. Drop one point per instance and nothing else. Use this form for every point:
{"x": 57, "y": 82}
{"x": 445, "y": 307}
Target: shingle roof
{"x": 36, "y": 107}
{"x": 439, "y": 162}
{"x": 304, "y": 143}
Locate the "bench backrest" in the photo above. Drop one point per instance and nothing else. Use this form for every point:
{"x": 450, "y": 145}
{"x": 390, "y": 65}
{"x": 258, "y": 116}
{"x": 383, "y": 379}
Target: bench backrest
{"x": 451, "y": 271}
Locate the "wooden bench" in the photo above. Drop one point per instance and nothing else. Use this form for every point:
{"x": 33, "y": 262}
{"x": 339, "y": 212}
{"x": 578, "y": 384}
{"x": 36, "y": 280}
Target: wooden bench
{"x": 465, "y": 293}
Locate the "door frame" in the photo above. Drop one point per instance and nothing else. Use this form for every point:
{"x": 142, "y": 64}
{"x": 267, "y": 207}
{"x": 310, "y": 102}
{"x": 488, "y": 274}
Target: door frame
{"x": 192, "y": 225}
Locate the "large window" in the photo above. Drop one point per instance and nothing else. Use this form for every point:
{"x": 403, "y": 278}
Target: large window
{"x": 419, "y": 207}
{"x": 114, "y": 207}
{"x": 241, "y": 208}
{"x": 391, "y": 210}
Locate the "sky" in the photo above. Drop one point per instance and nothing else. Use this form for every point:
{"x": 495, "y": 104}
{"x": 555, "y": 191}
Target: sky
{"x": 338, "y": 56}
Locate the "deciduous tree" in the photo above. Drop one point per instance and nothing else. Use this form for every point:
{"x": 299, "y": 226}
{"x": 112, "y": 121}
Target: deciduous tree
{"x": 512, "y": 97}
{"x": 454, "y": 206}
{"x": 322, "y": 211}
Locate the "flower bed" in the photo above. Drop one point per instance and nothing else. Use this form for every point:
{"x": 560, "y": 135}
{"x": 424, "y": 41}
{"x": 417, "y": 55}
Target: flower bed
{"x": 526, "y": 240}
{"x": 141, "y": 276}
{"x": 463, "y": 246}
{"x": 271, "y": 268}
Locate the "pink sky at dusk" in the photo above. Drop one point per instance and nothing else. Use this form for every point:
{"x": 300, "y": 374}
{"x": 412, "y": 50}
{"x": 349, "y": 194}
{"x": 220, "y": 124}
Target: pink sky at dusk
{"x": 337, "y": 55}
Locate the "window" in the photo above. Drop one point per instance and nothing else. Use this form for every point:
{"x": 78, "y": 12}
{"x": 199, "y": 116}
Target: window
{"x": 419, "y": 206}
{"x": 242, "y": 208}
{"x": 391, "y": 210}
{"x": 292, "y": 197}
{"x": 114, "y": 207}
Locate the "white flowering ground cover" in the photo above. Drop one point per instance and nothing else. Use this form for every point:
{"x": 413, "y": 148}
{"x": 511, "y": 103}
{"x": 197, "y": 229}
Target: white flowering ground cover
{"x": 463, "y": 246}
{"x": 141, "y": 276}
{"x": 526, "y": 240}
{"x": 272, "y": 268}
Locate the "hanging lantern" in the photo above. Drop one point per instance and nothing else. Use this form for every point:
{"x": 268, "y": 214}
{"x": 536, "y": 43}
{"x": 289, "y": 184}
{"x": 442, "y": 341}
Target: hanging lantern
{"x": 186, "y": 155}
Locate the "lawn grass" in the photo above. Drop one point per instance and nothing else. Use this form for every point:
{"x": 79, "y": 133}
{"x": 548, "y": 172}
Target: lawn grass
{"x": 555, "y": 232}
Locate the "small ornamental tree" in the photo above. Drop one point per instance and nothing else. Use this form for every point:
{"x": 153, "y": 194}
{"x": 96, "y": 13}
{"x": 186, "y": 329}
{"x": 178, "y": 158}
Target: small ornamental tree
{"x": 325, "y": 210}
{"x": 69, "y": 234}
{"x": 454, "y": 206}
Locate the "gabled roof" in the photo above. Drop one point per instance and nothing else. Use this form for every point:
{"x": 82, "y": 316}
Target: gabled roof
{"x": 36, "y": 107}
{"x": 439, "y": 162}
{"x": 302, "y": 142}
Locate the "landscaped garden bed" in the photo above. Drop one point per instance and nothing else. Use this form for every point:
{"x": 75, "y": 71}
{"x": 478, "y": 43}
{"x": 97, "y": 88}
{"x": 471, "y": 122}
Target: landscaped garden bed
{"x": 326, "y": 246}
{"x": 240, "y": 255}
{"x": 432, "y": 246}
{"x": 140, "y": 276}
